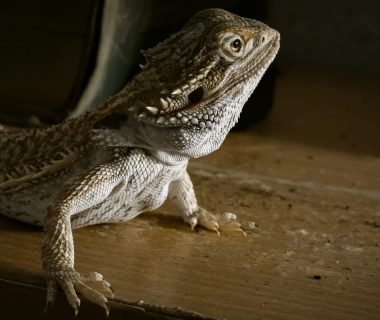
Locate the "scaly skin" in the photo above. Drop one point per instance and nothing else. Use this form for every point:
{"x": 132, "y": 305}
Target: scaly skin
{"x": 129, "y": 155}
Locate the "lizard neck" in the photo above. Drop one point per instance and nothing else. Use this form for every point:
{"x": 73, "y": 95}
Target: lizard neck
{"x": 132, "y": 135}
{"x": 169, "y": 158}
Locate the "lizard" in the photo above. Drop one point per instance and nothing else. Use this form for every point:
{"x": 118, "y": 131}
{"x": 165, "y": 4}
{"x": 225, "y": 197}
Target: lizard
{"x": 131, "y": 154}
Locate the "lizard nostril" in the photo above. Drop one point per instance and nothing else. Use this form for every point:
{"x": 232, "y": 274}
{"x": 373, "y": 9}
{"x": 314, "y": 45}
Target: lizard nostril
{"x": 196, "y": 95}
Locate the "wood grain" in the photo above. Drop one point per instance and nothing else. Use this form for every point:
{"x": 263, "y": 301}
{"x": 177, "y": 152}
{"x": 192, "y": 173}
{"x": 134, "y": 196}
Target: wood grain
{"x": 314, "y": 255}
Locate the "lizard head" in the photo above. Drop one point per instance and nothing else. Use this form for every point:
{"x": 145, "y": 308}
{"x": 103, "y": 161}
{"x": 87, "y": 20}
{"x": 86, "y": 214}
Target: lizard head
{"x": 194, "y": 84}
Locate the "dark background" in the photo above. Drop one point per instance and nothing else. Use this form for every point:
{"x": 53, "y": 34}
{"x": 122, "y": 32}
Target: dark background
{"x": 49, "y": 50}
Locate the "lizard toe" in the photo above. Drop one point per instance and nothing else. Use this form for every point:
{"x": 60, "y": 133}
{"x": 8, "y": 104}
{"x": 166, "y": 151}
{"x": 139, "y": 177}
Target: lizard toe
{"x": 96, "y": 281}
{"x": 231, "y": 226}
{"x": 71, "y": 296}
{"x": 51, "y": 293}
{"x": 218, "y": 223}
{"x": 90, "y": 287}
{"x": 92, "y": 295}
{"x": 207, "y": 220}
{"x": 228, "y": 223}
{"x": 209, "y": 224}
{"x": 191, "y": 220}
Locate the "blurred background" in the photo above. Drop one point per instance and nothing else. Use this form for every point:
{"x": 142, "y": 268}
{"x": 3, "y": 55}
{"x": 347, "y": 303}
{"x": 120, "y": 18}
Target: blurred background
{"x": 60, "y": 59}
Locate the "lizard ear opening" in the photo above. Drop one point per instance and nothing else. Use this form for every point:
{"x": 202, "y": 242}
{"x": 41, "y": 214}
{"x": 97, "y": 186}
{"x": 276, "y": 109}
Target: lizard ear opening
{"x": 196, "y": 95}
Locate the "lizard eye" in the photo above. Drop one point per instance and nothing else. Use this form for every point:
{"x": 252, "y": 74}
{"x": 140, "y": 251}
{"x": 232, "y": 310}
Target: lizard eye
{"x": 236, "y": 45}
{"x": 232, "y": 46}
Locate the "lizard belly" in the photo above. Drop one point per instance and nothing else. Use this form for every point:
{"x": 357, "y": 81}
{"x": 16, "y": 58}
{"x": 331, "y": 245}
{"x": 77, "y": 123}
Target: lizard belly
{"x": 128, "y": 202}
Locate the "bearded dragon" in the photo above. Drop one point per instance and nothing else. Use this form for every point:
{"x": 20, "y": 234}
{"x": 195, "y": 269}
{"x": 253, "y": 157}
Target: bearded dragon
{"x": 130, "y": 154}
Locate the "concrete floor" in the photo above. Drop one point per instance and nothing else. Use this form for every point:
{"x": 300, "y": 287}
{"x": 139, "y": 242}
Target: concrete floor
{"x": 307, "y": 180}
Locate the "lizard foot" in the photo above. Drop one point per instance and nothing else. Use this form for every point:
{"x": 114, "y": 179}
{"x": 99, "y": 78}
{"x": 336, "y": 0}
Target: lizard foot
{"x": 228, "y": 222}
{"x": 96, "y": 281}
{"x": 72, "y": 283}
{"x": 218, "y": 223}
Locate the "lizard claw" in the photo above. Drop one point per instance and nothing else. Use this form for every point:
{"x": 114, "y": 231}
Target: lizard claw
{"x": 228, "y": 223}
{"x": 209, "y": 224}
{"x": 72, "y": 283}
{"x": 92, "y": 295}
{"x": 192, "y": 221}
{"x": 96, "y": 281}
{"x": 71, "y": 296}
{"x": 51, "y": 293}
{"x": 231, "y": 226}
{"x": 225, "y": 223}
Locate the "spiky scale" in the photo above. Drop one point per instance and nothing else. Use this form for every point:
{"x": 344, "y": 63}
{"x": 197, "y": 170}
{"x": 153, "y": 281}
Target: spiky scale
{"x": 164, "y": 103}
{"x": 176, "y": 92}
{"x": 160, "y": 120}
{"x": 152, "y": 110}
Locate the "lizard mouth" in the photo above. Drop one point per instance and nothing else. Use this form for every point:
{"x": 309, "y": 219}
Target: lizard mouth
{"x": 196, "y": 95}
{"x": 182, "y": 107}
{"x": 190, "y": 104}
{"x": 191, "y": 112}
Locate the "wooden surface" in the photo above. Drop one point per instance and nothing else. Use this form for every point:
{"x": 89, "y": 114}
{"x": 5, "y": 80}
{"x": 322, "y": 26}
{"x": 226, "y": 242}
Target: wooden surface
{"x": 309, "y": 177}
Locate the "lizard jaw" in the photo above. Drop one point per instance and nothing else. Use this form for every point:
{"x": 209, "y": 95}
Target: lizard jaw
{"x": 194, "y": 109}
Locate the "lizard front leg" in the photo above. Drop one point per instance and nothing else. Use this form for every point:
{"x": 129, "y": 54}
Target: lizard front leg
{"x": 58, "y": 265}
{"x": 181, "y": 192}
{"x": 58, "y": 246}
